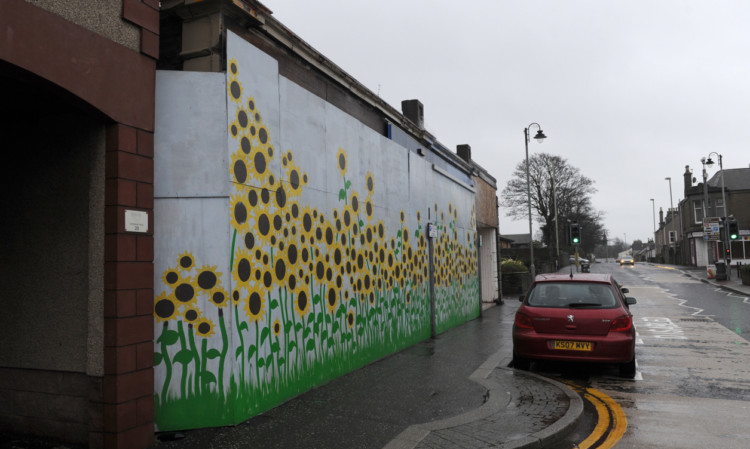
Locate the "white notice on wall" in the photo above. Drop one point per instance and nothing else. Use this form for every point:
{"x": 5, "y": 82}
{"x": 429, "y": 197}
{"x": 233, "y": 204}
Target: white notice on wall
{"x": 136, "y": 221}
{"x": 431, "y": 230}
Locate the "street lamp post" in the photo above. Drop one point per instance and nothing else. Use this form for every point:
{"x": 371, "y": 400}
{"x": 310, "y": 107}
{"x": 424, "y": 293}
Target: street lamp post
{"x": 539, "y": 137}
{"x": 710, "y": 163}
{"x": 653, "y": 210}
{"x": 709, "y": 253}
{"x": 671, "y": 216}
{"x": 557, "y": 232}
{"x": 725, "y": 238}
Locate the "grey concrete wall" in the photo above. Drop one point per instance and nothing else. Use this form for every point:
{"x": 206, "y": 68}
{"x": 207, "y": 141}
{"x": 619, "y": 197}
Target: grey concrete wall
{"x": 52, "y": 267}
{"x": 103, "y": 17}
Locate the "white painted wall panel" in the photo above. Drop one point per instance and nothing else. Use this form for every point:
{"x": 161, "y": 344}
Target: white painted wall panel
{"x": 190, "y": 135}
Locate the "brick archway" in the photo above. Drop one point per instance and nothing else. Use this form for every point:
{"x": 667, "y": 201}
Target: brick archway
{"x": 117, "y": 83}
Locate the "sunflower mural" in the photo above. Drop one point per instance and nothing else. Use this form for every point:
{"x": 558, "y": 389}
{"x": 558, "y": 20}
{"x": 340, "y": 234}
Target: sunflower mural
{"x": 313, "y": 293}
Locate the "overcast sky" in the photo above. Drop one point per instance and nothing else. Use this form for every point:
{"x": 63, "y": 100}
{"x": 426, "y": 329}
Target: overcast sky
{"x": 628, "y": 91}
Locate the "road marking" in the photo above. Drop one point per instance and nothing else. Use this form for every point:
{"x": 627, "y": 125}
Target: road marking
{"x": 663, "y": 327}
{"x": 620, "y": 422}
{"x": 602, "y": 423}
{"x": 611, "y": 420}
{"x": 666, "y": 268}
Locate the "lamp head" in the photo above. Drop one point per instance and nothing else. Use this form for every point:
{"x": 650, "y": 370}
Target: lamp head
{"x": 709, "y": 162}
{"x": 540, "y": 136}
{"x": 667, "y": 178}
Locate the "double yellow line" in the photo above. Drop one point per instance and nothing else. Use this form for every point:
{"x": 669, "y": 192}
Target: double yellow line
{"x": 611, "y": 421}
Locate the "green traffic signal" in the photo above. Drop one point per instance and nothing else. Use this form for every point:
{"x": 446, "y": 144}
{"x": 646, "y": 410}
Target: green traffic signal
{"x": 575, "y": 234}
{"x": 734, "y": 230}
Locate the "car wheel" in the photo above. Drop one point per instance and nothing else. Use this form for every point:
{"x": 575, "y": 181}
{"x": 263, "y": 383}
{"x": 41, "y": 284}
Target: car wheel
{"x": 627, "y": 370}
{"x": 521, "y": 363}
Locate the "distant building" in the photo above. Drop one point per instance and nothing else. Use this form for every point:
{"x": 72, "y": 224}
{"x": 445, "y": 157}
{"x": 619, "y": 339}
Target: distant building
{"x": 680, "y": 237}
{"x": 516, "y": 240}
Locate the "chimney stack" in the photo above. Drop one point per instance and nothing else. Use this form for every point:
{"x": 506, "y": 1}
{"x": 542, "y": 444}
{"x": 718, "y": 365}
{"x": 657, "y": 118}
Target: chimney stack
{"x": 414, "y": 111}
{"x": 688, "y": 179}
{"x": 464, "y": 152}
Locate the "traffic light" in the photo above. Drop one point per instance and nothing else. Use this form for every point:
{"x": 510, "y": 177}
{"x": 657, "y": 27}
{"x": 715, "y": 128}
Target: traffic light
{"x": 575, "y": 234}
{"x": 733, "y": 229}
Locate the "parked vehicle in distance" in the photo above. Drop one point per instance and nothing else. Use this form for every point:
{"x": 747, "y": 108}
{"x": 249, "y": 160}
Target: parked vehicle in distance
{"x": 575, "y": 318}
{"x": 627, "y": 261}
{"x": 572, "y": 260}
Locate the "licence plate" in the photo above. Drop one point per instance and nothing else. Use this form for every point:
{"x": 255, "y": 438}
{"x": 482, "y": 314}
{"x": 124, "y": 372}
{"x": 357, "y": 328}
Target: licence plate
{"x": 571, "y": 345}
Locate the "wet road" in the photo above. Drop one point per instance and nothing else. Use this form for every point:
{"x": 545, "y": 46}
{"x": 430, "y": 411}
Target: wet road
{"x": 692, "y": 389}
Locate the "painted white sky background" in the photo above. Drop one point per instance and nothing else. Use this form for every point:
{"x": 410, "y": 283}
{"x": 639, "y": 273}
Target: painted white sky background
{"x": 628, "y": 91}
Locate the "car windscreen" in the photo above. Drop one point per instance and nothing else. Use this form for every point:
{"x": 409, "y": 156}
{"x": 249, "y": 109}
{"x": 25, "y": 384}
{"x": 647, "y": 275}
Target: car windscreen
{"x": 572, "y": 294}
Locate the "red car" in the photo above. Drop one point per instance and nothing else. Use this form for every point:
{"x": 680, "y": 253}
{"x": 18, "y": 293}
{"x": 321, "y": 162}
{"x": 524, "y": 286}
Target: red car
{"x": 576, "y": 318}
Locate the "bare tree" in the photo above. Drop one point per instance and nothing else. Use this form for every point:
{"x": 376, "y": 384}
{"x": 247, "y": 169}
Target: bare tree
{"x": 547, "y": 174}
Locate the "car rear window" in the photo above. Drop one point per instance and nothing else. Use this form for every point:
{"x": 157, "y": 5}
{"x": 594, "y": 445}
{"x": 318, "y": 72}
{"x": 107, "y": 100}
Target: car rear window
{"x": 572, "y": 294}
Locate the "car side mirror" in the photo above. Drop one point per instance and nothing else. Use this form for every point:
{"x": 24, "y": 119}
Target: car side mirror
{"x": 630, "y": 300}
{"x": 625, "y": 290}
{"x": 521, "y": 298}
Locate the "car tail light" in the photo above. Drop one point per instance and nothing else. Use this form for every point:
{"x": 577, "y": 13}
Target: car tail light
{"x": 523, "y": 321}
{"x": 621, "y": 324}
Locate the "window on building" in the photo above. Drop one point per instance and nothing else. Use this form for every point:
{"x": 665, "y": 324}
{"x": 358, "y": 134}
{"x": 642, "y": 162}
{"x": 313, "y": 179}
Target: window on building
{"x": 719, "y": 208}
{"x": 698, "y": 210}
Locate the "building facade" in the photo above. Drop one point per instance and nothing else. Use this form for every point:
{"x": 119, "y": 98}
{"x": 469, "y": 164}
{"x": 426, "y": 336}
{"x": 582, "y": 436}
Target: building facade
{"x": 226, "y": 220}
{"x": 305, "y": 227}
{"x": 681, "y": 236}
{"x": 77, "y": 322}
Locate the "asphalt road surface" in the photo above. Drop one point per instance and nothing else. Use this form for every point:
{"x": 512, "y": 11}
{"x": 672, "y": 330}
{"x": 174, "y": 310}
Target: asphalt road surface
{"x": 692, "y": 389}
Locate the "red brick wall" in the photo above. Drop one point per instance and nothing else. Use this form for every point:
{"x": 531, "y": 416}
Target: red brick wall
{"x": 128, "y": 387}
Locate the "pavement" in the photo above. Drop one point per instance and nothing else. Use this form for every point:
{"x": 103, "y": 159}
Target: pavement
{"x": 733, "y": 284}
{"x": 453, "y": 391}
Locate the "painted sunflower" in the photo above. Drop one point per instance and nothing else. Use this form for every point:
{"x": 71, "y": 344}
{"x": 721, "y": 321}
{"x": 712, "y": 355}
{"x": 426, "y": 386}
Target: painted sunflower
{"x": 341, "y": 161}
{"x": 204, "y": 327}
{"x": 185, "y": 261}
{"x": 238, "y": 168}
{"x": 165, "y": 308}
{"x": 255, "y": 306}
{"x": 219, "y": 297}
{"x": 191, "y": 315}
{"x": 302, "y": 303}
{"x": 243, "y": 268}
{"x": 354, "y": 203}
{"x": 332, "y": 300}
{"x": 307, "y": 222}
{"x": 280, "y": 269}
{"x": 370, "y": 183}
{"x": 208, "y": 278}
{"x": 235, "y": 89}
{"x": 185, "y": 292}
{"x": 240, "y": 213}
{"x": 171, "y": 277}
{"x": 369, "y": 208}
{"x": 297, "y": 180}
